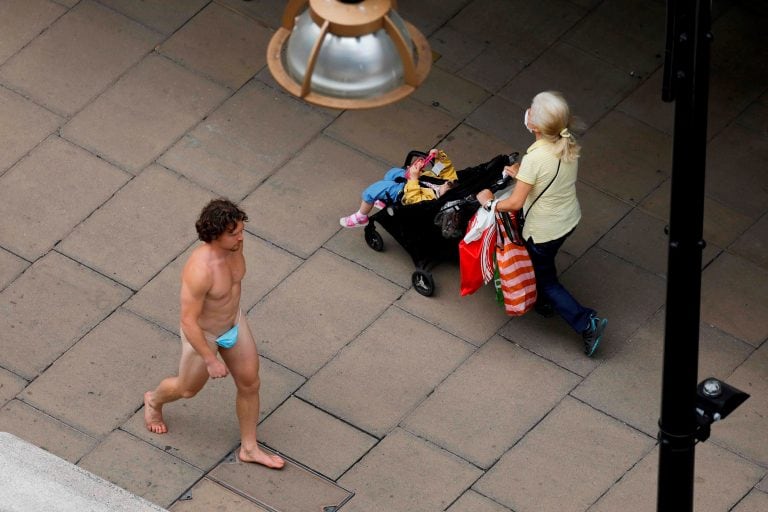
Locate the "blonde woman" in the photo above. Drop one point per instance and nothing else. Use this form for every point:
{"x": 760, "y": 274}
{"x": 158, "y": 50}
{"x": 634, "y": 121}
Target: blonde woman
{"x": 546, "y": 190}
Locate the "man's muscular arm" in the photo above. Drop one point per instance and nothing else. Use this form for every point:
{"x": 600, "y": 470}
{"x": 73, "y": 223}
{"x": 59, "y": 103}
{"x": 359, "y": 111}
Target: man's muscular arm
{"x": 196, "y": 281}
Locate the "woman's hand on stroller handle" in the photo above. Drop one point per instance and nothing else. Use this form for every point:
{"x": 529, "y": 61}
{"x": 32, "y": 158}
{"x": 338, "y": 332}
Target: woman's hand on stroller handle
{"x": 511, "y": 170}
{"x": 484, "y": 196}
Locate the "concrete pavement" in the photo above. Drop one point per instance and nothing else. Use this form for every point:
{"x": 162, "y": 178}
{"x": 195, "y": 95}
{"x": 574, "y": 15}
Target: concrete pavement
{"x": 120, "y": 119}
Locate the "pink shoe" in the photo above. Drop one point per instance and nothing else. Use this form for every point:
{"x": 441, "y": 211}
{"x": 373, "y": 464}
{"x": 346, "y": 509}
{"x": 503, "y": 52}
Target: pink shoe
{"x": 379, "y": 204}
{"x": 353, "y": 221}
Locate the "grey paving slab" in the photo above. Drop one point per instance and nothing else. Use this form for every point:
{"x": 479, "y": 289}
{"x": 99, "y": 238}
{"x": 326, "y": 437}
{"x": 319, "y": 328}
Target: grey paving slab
{"x": 221, "y": 44}
{"x": 752, "y": 243}
{"x": 503, "y": 119}
{"x": 245, "y": 140}
{"x": 268, "y": 12}
{"x": 453, "y": 50}
{"x": 23, "y": 125}
{"x": 306, "y": 320}
{"x": 10, "y": 385}
{"x": 404, "y": 472}
{"x": 107, "y": 371}
{"x": 454, "y": 96}
{"x": 600, "y": 212}
{"x": 744, "y": 430}
{"x": 10, "y": 267}
{"x": 722, "y": 224}
{"x": 627, "y": 295}
{"x": 628, "y": 385}
{"x": 494, "y": 66}
{"x": 733, "y": 298}
{"x": 721, "y": 480}
{"x": 372, "y": 386}
{"x": 266, "y": 264}
{"x": 732, "y": 158}
{"x": 140, "y": 468}
{"x": 763, "y": 485}
{"x": 165, "y": 16}
{"x": 291, "y": 489}
{"x": 428, "y": 15}
{"x": 47, "y": 194}
{"x": 33, "y": 479}
{"x": 22, "y": 20}
{"x": 624, "y": 157}
{"x": 755, "y": 118}
{"x": 392, "y": 263}
{"x": 314, "y": 211}
{"x": 204, "y": 429}
{"x": 735, "y": 82}
{"x": 468, "y": 146}
{"x": 207, "y": 495}
{"x": 473, "y": 318}
{"x": 604, "y": 33}
{"x": 534, "y": 27}
{"x": 142, "y": 228}
{"x": 755, "y": 501}
{"x": 566, "y": 462}
{"x": 78, "y": 57}
{"x": 145, "y": 112}
{"x": 472, "y": 501}
{"x": 322, "y": 442}
{"x": 645, "y": 104}
{"x": 649, "y": 251}
{"x": 591, "y": 85}
{"x": 390, "y": 132}
{"x": 51, "y": 306}
{"x": 481, "y": 418}
{"x": 45, "y": 431}
{"x": 67, "y": 3}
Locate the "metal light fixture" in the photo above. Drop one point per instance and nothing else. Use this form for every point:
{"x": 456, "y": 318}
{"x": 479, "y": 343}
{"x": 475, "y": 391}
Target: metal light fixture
{"x": 348, "y": 54}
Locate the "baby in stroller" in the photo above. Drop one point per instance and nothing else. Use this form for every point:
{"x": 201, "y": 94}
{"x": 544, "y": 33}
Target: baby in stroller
{"x": 409, "y": 184}
{"x": 427, "y": 211}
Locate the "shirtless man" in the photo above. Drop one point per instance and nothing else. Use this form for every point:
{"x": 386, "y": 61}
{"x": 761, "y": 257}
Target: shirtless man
{"x": 212, "y": 322}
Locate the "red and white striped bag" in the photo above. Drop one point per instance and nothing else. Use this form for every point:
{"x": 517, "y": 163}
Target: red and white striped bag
{"x": 517, "y": 280}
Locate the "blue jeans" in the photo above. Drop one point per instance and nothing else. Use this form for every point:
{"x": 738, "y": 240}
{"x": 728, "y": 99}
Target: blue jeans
{"x": 548, "y": 287}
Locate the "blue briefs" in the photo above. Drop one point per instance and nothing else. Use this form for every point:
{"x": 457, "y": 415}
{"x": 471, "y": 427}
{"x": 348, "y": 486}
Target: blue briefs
{"x": 228, "y": 339}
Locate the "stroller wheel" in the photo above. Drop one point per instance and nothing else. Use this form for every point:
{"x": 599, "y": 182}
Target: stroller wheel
{"x": 423, "y": 282}
{"x": 374, "y": 240}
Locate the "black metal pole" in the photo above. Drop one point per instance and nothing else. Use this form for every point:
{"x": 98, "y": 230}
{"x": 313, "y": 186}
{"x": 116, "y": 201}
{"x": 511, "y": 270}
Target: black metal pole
{"x": 686, "y": 80}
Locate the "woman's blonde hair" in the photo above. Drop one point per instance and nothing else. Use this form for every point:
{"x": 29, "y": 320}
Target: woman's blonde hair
{"x": 551, "y": 116}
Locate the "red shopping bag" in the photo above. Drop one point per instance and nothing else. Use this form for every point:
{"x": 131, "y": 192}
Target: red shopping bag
{"x": 476, "y": 258}
{"x": 516, "y": 276}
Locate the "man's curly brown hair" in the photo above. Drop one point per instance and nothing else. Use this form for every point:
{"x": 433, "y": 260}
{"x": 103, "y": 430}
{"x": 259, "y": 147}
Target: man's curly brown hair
{"x": 217, "y": 217}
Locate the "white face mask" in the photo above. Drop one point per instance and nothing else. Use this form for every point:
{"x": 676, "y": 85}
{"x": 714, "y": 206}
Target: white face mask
{"x": 525, "y": 121}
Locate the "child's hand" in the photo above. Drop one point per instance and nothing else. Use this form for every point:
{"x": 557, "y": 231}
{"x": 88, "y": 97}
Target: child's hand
{"x": 414, "y": 171}
{"x": 433, "y": 153}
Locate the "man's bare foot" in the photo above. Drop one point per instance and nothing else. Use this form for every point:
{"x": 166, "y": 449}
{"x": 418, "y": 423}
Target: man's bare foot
{"x": 257, "y": 456}
{"x": 153, "y": 416}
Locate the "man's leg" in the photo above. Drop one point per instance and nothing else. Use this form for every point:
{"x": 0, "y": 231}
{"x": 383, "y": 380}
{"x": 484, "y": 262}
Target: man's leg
{"x": 242, "y": 360}
{"x": 193, "y": 375}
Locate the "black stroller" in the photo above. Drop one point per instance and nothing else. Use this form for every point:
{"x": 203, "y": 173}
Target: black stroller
{"x": 430, "y": 231}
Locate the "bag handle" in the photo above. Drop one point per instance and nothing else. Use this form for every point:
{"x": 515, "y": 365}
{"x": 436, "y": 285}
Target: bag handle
{"x": 511, "y": 228}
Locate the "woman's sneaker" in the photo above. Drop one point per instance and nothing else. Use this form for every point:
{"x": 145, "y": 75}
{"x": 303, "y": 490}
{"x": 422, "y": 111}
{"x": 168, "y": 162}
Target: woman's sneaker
{"x": 593, "y": 334}
{"x": 354, "y": 221}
